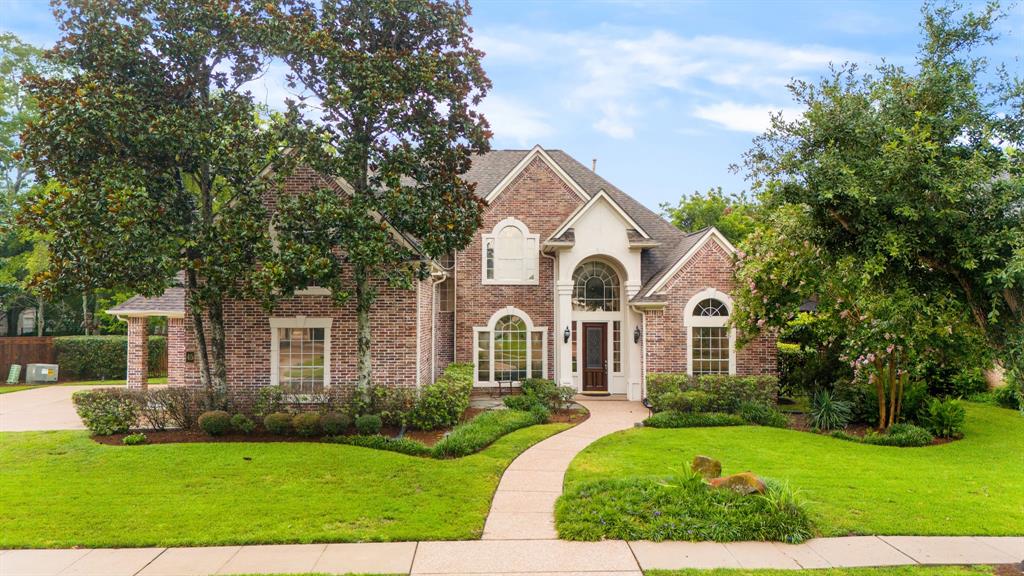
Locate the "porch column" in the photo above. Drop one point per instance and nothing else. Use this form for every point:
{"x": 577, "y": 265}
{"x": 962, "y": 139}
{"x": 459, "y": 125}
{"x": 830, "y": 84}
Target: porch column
{"x": 175, "y": 351}
{"x": 138, "y": 351}
{"x": 563, "y": 320}
{"x": 635, "y": 358}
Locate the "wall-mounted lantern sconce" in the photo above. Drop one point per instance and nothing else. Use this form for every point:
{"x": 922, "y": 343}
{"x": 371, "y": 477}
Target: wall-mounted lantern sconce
{"x": 566, "y": 335}
{"x": 636, "y": 335}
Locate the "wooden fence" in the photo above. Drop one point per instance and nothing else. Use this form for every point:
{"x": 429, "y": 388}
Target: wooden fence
{"x": 25, "y": 350}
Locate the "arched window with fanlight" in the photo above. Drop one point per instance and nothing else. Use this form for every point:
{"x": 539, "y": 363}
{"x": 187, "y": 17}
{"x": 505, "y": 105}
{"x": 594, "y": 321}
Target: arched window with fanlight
{"x": 595, "y": 288}
{"x": 710, "y": 341}
{"x": 510, "y": 348}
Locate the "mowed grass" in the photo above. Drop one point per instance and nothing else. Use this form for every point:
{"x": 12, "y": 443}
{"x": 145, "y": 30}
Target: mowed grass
{"x": 887, "y": 571}
{"x": 5, "y": 389}
{"x": 973, "y": 486}
{"x": 61, "y": 489}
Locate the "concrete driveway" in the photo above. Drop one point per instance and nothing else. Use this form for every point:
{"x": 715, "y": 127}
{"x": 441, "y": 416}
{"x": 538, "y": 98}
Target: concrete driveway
{"x": 47, "y": 408}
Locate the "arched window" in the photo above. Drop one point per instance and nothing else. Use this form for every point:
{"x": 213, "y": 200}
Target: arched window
{"x": 710, "y": 342}
{"x": 510, "y": 254}
{"x": 595, "y": 288}
{"x": 510, "y": 349}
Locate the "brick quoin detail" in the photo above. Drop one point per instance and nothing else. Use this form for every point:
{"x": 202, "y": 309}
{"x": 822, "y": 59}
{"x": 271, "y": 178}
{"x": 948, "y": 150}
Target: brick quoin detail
{"x": 710, "y": 267}
{"x": 138, "y": 352}
{"x": 542, "y": 201}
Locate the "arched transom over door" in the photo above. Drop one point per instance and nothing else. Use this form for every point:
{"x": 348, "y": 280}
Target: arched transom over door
{"x": 597, "y": 290}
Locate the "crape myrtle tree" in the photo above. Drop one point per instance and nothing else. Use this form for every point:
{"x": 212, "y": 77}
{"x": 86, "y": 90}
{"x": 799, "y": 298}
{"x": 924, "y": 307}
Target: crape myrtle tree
{"x": 910, "y": 186}
{"x": 155, "y": 154}
{"x": 391, "y": 118}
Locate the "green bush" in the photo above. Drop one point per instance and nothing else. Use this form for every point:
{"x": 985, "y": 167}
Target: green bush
{"x": 442, "y": 403}
{"x": 481, "y": 431}
{"x": 763, "y": 415}
{"x": 369, "y": 424}
{"x": 104, "y": 357}
{"x": 269, "y": 399}
{"x": 134, "y": 439}
{"x": 278, "y": 423}
{"x": 944, "y": 418}
{"x": 827, "y": 412}
{"x": 394, "y": 404}
{"x": 902, "y": 435}
{"x": 671, "y": 419}
{"x": 520, "y": 402}
{"x": 679, "y": 508}
{"x": 306, "y": 424}
{"x": 334, "y": 423}
{"x": 378, "y": 442}
{"x": 915, "y": 400}
{"x": 724, "y": 393}
{"x": 686, "y": 401}
{"x": 106, "y": 411}
{"x": 182, "y": 405}
{"x": 215, "y": 422}
{"x": 1008, "y": 396}
{"x": 151, "y": 408}
{"x": 968, "y": 381}
{"x": 242, "y": 424}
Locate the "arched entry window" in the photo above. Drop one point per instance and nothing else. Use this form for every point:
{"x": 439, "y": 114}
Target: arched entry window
{"x": 510, "y": 349}
{"x": 595, "y": 288}
{"x": 711, "y": 343}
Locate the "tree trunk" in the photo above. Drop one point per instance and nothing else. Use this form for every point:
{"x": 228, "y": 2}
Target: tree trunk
{"x": 200, "y": 333}
{"x": 219, "y": 380}
{"x": 892, "y": 391}
{"x": 88, "y": 316}
{"x": 364, "y": 301}
{"x": 880, "y": 388}
{"x": 40, "y": 317}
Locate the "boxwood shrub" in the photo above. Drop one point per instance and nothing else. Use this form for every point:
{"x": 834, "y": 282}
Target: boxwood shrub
{"x": 104, "y": 357}
{"x": 278, "y": 423}
{"x": 215, "y": 422}
{"x": 106, "y": 411}
{"x": 724, "y": 393}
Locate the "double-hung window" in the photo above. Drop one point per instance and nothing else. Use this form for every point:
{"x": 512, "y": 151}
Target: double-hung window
{"x": 711, "y": 348}
{"x": 300, "y": 354}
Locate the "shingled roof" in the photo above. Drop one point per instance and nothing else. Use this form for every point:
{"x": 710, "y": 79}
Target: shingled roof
{"x": 488, "y": 170}
{"x": 171, "y": 304}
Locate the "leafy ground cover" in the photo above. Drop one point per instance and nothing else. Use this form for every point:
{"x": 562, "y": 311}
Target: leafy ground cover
{"x": 968, "y": 487}
{"x": 61, "y": 489}
{"x": 887, "y": 571}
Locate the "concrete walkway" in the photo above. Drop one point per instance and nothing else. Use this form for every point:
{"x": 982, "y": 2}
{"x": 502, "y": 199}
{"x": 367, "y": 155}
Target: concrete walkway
{"x": 46, "y": 408}
{"x": 523, "y": 505}
{"x": 535, "y": 557}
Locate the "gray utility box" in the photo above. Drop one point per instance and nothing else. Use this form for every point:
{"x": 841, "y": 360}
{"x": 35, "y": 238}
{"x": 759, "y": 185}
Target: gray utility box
{"x": 41, "y": 373}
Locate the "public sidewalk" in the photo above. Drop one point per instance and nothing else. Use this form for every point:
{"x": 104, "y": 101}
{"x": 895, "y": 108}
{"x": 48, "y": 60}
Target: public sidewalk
{"x": 552, "y": 557}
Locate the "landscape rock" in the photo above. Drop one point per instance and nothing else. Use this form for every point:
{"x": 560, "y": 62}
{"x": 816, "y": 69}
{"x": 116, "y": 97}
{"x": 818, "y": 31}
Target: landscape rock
{"x": 706, "y": 466}
{"x": 742, "y": 483}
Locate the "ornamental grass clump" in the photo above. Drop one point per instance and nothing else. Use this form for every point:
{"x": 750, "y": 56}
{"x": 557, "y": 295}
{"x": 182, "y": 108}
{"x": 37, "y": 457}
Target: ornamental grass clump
{"x": 828, "y": 412}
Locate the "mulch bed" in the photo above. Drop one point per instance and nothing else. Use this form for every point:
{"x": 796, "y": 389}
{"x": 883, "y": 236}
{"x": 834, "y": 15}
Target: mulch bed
{"x": 800, "y": 422}
{"x": 1008, "y": 569}
{"x": 429, "y": 438}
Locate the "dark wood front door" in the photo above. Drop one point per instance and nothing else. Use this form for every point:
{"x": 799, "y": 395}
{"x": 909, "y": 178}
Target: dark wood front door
{"x": 595, "y": 357}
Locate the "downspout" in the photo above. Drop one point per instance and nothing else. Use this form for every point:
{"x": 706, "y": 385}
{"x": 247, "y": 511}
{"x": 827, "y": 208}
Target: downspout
{"x": 433, "y": 324}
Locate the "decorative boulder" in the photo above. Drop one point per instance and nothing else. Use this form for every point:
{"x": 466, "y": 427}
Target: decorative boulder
{"x": 706, "y": 466}
{"x": 742, "y": 483}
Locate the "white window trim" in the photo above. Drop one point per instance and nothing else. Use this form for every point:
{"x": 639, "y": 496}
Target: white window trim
{"x": 275, "y": 349}
{"x": 493, "y": 237}
{"x": 530, "y": 328}
{"x": 691, "y": 322}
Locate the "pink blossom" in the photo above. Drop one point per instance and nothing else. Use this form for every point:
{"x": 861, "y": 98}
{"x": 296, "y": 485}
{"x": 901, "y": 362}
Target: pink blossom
{"x": 760, "y": 323}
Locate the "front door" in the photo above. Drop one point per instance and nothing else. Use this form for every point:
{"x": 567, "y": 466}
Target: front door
{"x": 595, "y": 357}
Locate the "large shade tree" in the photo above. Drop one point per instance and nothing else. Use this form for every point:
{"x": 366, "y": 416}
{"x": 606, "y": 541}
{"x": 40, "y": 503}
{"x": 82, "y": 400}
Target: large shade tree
{"x": 909, "y": 185}
{"x": 392, "y": 87}
{"x": 155, "y": 153}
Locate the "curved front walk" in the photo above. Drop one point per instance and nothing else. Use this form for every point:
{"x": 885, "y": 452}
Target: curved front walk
{"x": 523, "y": 505}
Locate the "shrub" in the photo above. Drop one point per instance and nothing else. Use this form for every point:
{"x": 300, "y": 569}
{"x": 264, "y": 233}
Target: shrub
{"x": 369, "y": 424}
{"x": 242, "y": 424}
{"x": 763, "y": 415}
{"x": 104, "y": 357}
{"x": 672, "y": 419}
{"x": 393, "y": 404}
{"x": 151, "y": 408}
{"x": 540, "y": 414}
{"x": 968, "y": 381}
{"x": 686, "y": 401}
{"x": 278, "y": 423}
{"x": 106, "y": 411}
{"x": 725, "y": 393}
{"x": 334, "y": 423}
{"x": 306, "y": 424}
{"x": 181, "y": 404}
{"x": 134, "y": 439}
{"x": 481, "y": 431}
{"x": 902, "y": 435}
{"x": 269, "y": 399}
{"x": 215, "y": 422}
{"x": 1008, "y": 396}
{"x": 944, "y": 418}
{"x": 378, "y": 442}
{"x": 520, "y": 402}
{"x": 915, "y": 400}
{"x": 442, "y": 403}
{"x": 828, "y": 412}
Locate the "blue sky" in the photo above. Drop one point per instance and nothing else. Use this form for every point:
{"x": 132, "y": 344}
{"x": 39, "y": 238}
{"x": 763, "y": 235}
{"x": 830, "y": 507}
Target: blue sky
{"x": 665, "y": 94}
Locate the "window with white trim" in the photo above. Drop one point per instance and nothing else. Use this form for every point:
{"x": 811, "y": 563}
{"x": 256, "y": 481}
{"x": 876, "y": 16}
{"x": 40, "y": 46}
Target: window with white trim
{"x": 595, "y": 288}
{"x": 510, "y": 349}
{"x": 300, "y": 354}
{"x": 510, "y": 254}
{"x": 711, "y": 342}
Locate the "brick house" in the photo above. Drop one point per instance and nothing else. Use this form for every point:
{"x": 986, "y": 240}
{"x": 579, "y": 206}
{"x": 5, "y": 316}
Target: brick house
{"x": 568, "y": 278}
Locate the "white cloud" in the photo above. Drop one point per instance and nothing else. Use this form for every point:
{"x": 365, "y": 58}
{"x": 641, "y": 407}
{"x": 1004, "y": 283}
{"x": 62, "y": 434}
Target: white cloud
{"x": 743, "y": 117}
{"x": 513, "y": 121}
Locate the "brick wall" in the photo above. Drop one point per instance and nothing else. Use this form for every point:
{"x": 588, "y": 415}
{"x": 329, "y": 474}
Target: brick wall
{"x": 539, "y": 199}
{"x": 425, "y": 310}
{"x": 444, "y": 334}
{"x": 711, "y": 267}
{"x": 138, "y": 352}
{"x": 175, "y": 351}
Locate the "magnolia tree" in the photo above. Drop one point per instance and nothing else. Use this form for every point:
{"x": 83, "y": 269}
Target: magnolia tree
{"x": 905, "y": 191}
{"x": 391, "y": 124}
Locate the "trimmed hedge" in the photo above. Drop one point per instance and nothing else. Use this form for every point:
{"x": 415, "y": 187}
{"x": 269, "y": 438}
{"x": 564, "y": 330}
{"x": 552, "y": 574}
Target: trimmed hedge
{"x": 725, "y": 393}
{"x": 106, "y": 411}
{"x": 104, "y": 357}
{"x": 671, "y": 419}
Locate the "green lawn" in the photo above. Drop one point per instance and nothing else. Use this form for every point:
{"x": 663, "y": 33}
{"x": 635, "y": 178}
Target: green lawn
{"x": 887, "y": 571}
{"x": 4, "y": 389}
{"x": 61, "y": 489}
{"x": 970, "y": 487}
